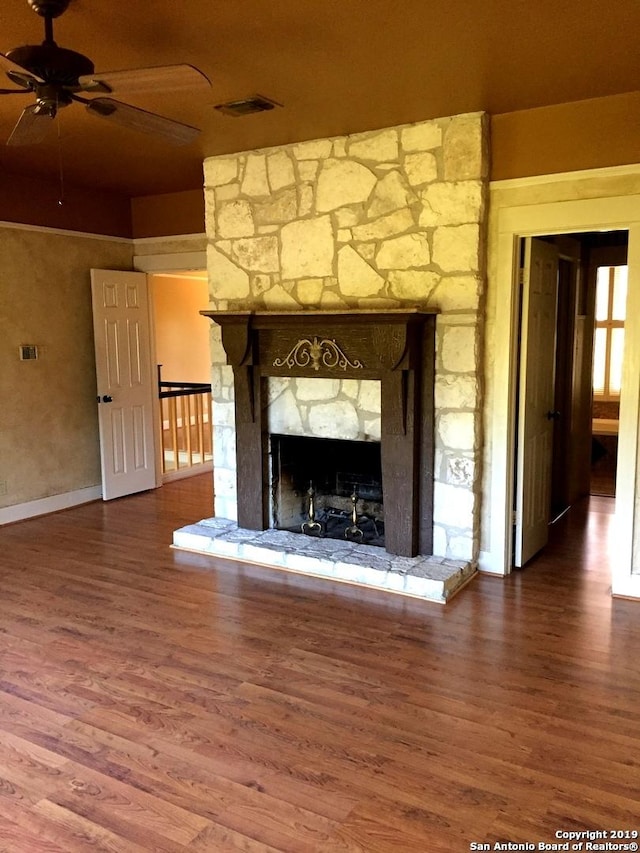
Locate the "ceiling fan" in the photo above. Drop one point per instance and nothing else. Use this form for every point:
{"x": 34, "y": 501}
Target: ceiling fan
{"x": 57, "y": 76}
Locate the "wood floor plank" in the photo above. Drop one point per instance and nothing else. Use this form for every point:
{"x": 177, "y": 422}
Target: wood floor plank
{"x": 97, "y": 832}
{"x": 132, "y": 812}
{"x": 189, "y": 769}
{"x": 156, "y": 700}
{"x": 27, "y": 839}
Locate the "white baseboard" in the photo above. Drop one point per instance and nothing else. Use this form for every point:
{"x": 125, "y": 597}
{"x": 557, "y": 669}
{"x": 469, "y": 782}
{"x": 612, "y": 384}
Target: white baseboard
{"x": 625, "y": 586}
{"x": 19, "y": 512}
{"x": 488, "y": 565}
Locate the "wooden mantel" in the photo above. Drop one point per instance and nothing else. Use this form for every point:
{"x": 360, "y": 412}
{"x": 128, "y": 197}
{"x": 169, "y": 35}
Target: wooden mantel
{"x": 396, "y": 347}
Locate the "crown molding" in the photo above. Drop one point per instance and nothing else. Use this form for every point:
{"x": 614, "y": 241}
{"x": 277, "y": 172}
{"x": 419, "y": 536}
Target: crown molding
{"x": 565, "y": 177}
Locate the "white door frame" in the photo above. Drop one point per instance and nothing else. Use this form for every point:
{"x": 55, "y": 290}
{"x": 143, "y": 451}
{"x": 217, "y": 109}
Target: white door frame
{"x": 163, "y": 263}
{"x": 175, "y": 262}
{"x": 524, "y": 217}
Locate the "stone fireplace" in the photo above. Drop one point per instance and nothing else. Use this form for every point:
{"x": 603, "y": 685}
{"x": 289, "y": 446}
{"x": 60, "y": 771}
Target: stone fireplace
{"x": 383, "y": 221}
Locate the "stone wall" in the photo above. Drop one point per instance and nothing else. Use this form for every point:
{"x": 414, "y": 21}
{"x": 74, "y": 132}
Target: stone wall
{"x": 347, "y": 409}
{"x": 385, "y": 219}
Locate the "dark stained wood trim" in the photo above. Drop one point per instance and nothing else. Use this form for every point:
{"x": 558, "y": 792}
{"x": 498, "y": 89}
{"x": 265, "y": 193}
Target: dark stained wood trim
{"x": 426, "y": 438}
{"x": 400, "y": 419}
{"x": 395, "y": 347}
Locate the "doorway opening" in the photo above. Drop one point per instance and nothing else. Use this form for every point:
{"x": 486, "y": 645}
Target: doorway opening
{"x": 573, "y": 301}
{"x": 183, "y": 371}
{"x": 609, "y": 271}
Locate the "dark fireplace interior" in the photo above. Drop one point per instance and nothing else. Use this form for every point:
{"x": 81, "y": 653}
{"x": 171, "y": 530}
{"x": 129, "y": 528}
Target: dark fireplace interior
{"x": 328, "y": 488}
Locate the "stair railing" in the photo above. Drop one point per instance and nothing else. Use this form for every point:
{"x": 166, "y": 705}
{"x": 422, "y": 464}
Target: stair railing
{"x": 186, "y": 423}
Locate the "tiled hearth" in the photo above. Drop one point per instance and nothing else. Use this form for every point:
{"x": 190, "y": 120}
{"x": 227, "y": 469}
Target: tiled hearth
{"x": 430, "y": 578}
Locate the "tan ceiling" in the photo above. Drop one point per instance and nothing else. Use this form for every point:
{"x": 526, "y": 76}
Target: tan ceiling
{"x": 337, "y": 66}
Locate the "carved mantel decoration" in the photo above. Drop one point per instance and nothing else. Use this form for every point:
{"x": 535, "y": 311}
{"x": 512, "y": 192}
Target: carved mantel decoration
{"x": 314, "y": 352}
{"x": 396, "y": 347}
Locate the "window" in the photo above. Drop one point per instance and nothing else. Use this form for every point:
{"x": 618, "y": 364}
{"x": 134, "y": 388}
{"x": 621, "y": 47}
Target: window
{"x": 611, "y": 300}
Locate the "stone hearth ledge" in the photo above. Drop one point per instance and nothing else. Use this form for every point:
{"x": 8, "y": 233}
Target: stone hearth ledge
{"x": 430, "y": 578}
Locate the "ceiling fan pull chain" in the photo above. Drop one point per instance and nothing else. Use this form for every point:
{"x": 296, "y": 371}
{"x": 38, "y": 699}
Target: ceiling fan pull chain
{"x": 60, "y": 169}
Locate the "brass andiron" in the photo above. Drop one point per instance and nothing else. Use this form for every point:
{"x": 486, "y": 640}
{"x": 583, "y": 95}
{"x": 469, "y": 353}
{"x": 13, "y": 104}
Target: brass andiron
{"x": 312, "y": 527}
{"x": 353, "y": 532}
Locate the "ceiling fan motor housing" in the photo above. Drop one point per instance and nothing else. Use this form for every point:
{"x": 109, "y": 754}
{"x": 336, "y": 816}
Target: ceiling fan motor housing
{"x": 52, "y": 63}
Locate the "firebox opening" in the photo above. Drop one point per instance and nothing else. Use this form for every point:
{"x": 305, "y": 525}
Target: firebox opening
{"x": 327, "y": 487}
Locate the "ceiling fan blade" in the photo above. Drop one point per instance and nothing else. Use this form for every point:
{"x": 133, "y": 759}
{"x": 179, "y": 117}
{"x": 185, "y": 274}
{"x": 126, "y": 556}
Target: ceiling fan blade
{"x": 164, "y": 78}
{"x": 31, "y": 128}
{"x": 136, "y": 119}
{"x": 20, "y": 78}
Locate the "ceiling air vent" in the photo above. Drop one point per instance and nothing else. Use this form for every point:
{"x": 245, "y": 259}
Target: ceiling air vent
{"x": 247, "y": 106}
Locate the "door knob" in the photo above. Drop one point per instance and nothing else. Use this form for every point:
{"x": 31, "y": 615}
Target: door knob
{"x": 107, "y": 399}
{"x": 553, "y": 416}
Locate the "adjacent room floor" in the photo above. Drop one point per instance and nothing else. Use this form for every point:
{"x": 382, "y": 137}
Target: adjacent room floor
{"x": 156, "y": 700}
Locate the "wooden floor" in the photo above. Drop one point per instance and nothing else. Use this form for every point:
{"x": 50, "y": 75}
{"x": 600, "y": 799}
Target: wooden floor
{"x": 603, "y": 465}
{"x": 154, "y": 700}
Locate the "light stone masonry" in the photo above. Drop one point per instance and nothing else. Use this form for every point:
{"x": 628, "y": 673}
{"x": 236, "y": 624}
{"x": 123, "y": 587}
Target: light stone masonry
{"x": 401, "y": 253}
{"x": 255, "y": 182}
{"x": 325, "y": 408}
{"x": 354, "y": 273}
{"x": 386, "y": 219}
{"x": 307, "y": 248}
{"x": 421, "y": 168}
{"x": 391, "y": 193}
{"x": 235, "y": 219}
{"x": 376, "y": 146}
{"x": 280, "y": 170}
{"x": 424, "y": 136}
{"x": 456, "y": 248}
{"x": 425, "y": 577}
{"x": 343, "y": 182}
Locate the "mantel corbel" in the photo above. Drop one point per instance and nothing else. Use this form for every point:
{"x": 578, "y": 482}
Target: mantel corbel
{"x": 236, "y": 338}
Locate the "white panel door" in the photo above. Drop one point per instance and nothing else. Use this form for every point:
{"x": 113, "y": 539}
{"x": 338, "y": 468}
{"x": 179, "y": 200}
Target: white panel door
{"x": 536, "y": 398}
{"x": 125, "y": 380}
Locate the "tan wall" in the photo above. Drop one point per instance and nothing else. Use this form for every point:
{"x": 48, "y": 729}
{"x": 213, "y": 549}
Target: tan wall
{"x": 48, "y": 419}
{"x": 564, "y": 138}
{"x": 182, "y": 334}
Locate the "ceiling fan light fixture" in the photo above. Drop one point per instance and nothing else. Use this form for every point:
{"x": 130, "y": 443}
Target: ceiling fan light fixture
{"x": 49, "y": 8}
{"x": 247, "y": 106}
{"x": 46, "y": 108}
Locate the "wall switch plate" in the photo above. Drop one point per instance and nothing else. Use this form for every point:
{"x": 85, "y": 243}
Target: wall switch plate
{"x": 28, "y": 352}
